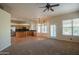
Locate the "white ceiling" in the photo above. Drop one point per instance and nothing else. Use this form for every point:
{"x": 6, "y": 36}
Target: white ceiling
{"x": 31, "y": 10}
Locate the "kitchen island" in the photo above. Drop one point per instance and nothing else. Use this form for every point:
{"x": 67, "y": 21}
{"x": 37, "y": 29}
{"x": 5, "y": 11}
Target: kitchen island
{"x": 25, "y": 33}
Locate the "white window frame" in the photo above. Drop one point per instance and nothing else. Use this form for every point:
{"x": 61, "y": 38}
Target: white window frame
{"x": 53, "y": 29}
{"x": 42, "y": 28}
{"x": 72, "y": 27}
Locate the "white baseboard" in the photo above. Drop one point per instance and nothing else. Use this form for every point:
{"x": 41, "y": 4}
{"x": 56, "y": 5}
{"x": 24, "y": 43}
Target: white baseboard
{"x": 4, "y": 47}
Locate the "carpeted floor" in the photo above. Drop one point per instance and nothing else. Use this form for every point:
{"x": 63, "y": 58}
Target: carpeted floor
{"x": 42, "y": 46}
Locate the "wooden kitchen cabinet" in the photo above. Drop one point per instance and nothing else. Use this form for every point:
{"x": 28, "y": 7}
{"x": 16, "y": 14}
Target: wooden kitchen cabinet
{"x": 25, "y": 34}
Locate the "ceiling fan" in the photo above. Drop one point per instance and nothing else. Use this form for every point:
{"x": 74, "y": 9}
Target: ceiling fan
{"x": 49, "y": 7}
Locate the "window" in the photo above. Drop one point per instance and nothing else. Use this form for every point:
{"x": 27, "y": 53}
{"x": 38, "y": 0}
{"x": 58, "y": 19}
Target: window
{"x": 39, "y": 28}
{"x": 53, "y": 30}
{"x": 46, "y": 29}
{"x": 76, "y": 27}
{"x": 67, "y": 27}
{"x": 71, "y": 27}
{"x": 42, "y": 28}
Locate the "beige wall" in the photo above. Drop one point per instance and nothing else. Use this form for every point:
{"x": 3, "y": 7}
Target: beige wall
{"x": 5, "y": 40}
{"x": 19, "y": 24}
{"x": 58, "y": 21}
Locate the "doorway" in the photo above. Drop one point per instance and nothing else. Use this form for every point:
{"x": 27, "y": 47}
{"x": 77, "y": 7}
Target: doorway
{"x": 53, "y": 31}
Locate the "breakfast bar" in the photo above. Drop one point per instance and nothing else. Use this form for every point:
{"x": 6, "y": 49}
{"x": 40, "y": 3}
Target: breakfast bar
{"x": 20, "y": 33}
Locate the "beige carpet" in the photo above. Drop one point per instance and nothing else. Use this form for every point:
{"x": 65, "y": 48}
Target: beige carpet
{"x": 42, "y": 46}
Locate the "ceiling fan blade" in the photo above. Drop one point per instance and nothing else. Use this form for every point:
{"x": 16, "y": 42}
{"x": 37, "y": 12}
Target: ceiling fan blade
{"x": 51, "y": 9}
{"x": 55, "y": 5}
{"x": 45, "y": 10}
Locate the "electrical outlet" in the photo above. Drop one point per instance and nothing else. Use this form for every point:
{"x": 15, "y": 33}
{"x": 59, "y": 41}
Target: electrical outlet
{"x": 70, "y": 38}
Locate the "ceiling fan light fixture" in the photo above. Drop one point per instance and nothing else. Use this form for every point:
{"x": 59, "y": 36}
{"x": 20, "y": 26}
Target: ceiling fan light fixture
{"x": 49, "y": 7}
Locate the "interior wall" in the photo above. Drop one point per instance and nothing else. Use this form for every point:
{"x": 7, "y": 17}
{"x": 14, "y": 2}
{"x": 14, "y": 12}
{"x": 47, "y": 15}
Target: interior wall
{"x": 21, "y": 26}
{"x": 58, "y": 21}
{"x": 5, "y": 40}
